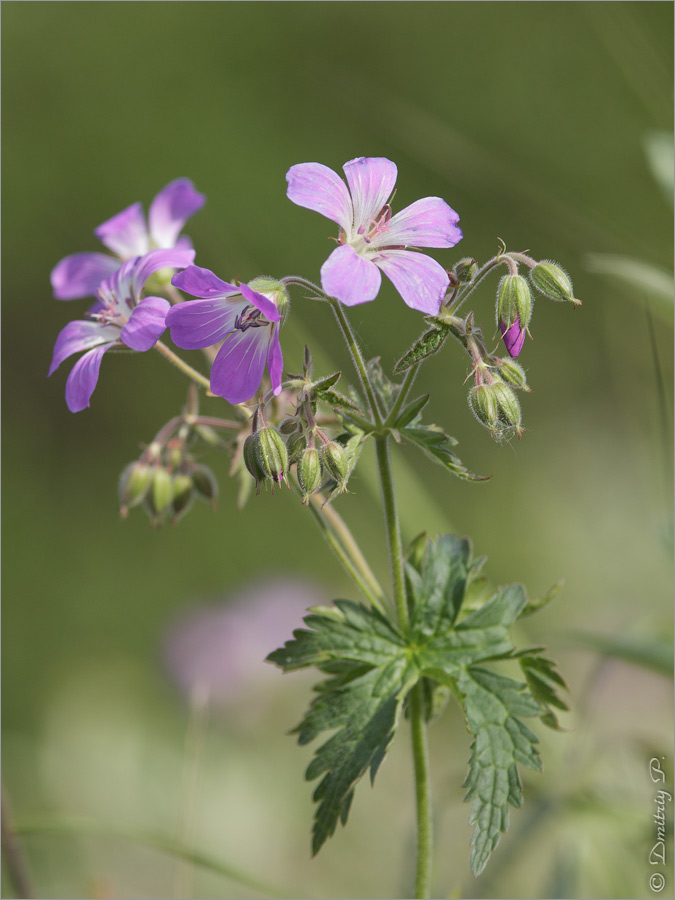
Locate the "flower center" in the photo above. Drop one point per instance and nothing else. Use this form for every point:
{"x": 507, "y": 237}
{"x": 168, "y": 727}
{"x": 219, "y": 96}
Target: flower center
{"x": 250, "y": 317}
{"x": 366, "y": 232}
{"x": 112, "y": 311}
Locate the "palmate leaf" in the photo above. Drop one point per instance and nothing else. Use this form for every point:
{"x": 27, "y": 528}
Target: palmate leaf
{"x": 450, "y": 651}
{"x": 493, "y": 705}
{"x": 371, "y": 667}
{"x": 371, "y": 675}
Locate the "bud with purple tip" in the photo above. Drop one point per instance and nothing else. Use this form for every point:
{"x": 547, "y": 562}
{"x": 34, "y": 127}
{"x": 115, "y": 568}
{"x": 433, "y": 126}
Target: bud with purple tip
{"x": 514, "y": 311}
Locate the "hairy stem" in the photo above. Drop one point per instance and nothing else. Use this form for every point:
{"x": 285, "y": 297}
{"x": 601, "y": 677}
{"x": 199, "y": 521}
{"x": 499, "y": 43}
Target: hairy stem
{"x": 357, "y": 357}
{"x": 422, "y": 794}
{"x": 403, "y": 393}
{"x": 418, "y": 726}
{"x": 183, "y": 366}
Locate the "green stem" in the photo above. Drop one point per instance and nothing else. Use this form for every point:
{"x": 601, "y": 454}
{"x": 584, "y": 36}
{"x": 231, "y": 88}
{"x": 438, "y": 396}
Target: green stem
{"x": 393, "y": 529}
{"x": 357, "y": 358}
{"x": 418, "y": 727}
{"x": 422, "y": 794}
{"x": 183, "y": 366}
{"x": 407, "y": 383}
{"x": 347, "y": 551}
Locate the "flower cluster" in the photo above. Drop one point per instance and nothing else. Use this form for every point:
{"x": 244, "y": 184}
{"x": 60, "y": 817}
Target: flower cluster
{"x": 238, "y": 325}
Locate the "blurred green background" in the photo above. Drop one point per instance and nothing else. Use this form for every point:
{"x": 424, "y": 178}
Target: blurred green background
{"x": 540, "y": 123}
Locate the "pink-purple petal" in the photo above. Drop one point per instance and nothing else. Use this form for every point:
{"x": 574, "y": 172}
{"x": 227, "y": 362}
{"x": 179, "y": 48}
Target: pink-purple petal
{"x": 79, "y": 274}
{"x": 146, "y": 324}
{"x": 275, "y": 362}
{"x": 419, "y": 279}
{"x": 196, "y": 324}
{"x": 238, "y": 369}
{"x": 202, "y": 283}
{"x": 350, "y": 278}
{"x": 159, "y": 259}
{"x": 78, "y": 336}
{"x": 317, "y": 187}
{"x": 513, "y": 337}
{"x": 83, "y": 378}
{"x": 266, "y": 306}
{"x": 126, "y": 234}
{"x": 371, "y": 181}
{"x": 429, "y": 222}
{"x": 170, "y": 210}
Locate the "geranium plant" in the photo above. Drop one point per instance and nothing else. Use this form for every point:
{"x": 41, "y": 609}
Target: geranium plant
{"x": 390, "y": 651}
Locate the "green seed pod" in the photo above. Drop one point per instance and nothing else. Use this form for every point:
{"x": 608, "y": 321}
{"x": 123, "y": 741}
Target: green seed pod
{"x": 553, "y": 282}
{"x": 309, "y": 472}
{"x": 134, "y": 483}
{"x": 465, "y": 270}
{"x": 514, "y": 302}
{"x": 335, "y": 463}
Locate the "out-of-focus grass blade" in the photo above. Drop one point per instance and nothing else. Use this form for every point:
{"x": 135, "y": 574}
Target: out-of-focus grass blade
{"x": 637, "y": 278}
{"x": 654, "y": 653}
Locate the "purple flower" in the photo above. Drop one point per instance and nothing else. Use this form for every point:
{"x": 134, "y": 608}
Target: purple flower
{"x": 128, "y": 235}
{"x": 371, "y": 238}
{"x": 118, "y": 319}
{"x": 246, "y": 318}
{"x": 513, "y": 337}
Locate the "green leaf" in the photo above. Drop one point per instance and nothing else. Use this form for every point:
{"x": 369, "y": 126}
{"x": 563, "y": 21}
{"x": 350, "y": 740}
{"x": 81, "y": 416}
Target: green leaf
{"x": 543, "y": 680}
{"x": 437, "y": 446}
{"x": 438, "y": 589}
{"x": 430, "y": 343}
{"x": 493, "y": 706}
{"x": 323, "y": 384}
{"x": 410, "y": 411}
{"x": 386, "y": 390}
{"x": 537, "y": 603}
{"x": 336, "y": 399}
{"x": 650, "y": 652}
{"x": 372, "y": 674}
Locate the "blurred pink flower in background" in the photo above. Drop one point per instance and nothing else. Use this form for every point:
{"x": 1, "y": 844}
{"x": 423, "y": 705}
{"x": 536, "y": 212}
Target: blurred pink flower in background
{"x": 216, "y": 653}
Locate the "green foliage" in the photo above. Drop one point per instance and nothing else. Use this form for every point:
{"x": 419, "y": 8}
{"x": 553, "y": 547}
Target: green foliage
{"x": 372, "y": 666}
{"x": 437, "y": 445}
{"x": 428, "y": 344}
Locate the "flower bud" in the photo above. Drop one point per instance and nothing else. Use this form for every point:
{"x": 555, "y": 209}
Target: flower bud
{"x": 335, "y": 463}
{"x": 512, "y": 373}
{"x": 483, "y": 405}
{"x": 465, "y": 270}
{"x": 309, "y": 472}
{"x": 514, "y": 302}
{"x": 274, "y": 454}
{"x": 133, "y": 486}
{"x": 182, "y": 495}
{"x": 161, "y": 492}
{"x": 553, "y": 282}
{"x": 513, "y": 337}
{"x": 496, "y": 406}
{"x": 265, "y": 456}
{"x": 205, "y": 483}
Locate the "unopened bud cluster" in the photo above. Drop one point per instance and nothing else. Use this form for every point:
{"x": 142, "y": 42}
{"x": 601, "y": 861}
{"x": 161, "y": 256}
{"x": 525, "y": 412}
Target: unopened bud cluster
{"x": 165, "y": 481}
{"x": 321, "y": 462}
